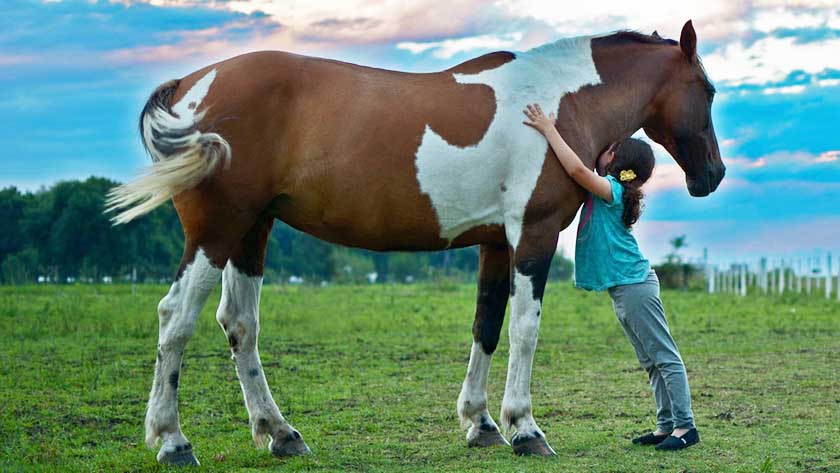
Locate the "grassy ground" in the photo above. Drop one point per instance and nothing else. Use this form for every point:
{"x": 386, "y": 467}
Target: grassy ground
{"x": 370, "y": 376}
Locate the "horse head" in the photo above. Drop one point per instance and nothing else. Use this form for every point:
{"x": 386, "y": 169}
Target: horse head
{"x": 681, "y": 119}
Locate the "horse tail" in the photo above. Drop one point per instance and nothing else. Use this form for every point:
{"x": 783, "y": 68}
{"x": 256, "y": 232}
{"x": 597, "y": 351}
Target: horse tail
{"x": 182, "y": 157}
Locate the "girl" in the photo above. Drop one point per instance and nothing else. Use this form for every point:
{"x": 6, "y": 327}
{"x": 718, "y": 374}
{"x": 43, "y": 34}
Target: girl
{"x": 607, "y": 257}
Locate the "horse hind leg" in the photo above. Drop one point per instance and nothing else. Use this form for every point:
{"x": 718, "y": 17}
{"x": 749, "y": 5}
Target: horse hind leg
{"x": 177, "y": 313}
{"x": 238, "y": 315}
{"x": 493, "y": 290}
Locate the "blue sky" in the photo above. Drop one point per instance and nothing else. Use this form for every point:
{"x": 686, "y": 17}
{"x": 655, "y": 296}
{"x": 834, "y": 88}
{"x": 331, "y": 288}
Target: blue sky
{"x": 75, "y": 74}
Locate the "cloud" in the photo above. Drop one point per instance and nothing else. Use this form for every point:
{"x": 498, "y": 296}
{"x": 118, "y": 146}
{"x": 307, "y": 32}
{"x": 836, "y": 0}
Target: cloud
{"x": 205, "y": 44}
{"x": 780, "y": 18}
{"x": 771, "y": 60}
{"x": 788, "y": 89}
{"x": 362, "y": 22}
{"x": 715, "y": 18}
{"x": 14, "y": 59}
{"x": 447, "y": 48}
{"x": 828, "y": 157}
{"x": 735, "y": 240}
{"x": 790, "y": 160}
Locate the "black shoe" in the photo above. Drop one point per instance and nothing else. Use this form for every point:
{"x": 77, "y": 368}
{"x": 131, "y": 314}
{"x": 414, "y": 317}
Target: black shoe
{"x": 650, "y": 439}
{"x": 678, "y": 443}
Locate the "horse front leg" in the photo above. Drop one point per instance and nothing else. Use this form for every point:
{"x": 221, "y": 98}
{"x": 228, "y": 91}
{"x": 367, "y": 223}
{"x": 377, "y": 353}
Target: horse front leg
{"x": 493, "y": 291}
{"x": 531, "y": 262}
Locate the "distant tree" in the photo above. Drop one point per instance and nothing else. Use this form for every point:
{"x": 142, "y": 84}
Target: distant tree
{"x": 674, "y": 272}
{"x": 12, "y": 207}
{"x": 293, "y": 253}
{"x": 20, "y": 268}
{"x": 677, "y": 243}
{"x": 562, "y": 267}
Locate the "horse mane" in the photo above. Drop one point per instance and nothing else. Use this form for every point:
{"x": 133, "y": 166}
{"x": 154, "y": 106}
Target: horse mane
{"x": 632, "y": 36}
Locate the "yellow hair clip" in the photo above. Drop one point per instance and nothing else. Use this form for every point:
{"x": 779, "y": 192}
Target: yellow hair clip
{"x": 627, "y": 175}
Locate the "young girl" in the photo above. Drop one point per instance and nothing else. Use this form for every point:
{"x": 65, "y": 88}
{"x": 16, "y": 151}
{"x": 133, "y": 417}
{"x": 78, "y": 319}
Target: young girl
{"x": 608, "y": 258}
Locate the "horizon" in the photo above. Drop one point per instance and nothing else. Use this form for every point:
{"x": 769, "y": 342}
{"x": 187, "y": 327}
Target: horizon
{"x": 78, "y": 77}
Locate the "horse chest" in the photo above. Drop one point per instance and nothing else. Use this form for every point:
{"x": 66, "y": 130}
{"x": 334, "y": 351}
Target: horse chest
{"x": 491, "y": 182}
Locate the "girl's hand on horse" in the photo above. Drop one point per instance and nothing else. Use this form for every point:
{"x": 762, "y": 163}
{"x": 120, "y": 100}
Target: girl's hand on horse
{"x": 570, "y": 161}
{"x": 538, "y": 120}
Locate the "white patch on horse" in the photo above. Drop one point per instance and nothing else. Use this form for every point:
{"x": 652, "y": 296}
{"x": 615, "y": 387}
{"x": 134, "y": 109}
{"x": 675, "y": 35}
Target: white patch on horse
{"x": 522, "y": 332}
{"x": 191, "y": 101}
{"x": 183, "y": 116}
{"x": 465, "y": 184}
{"x": 238, "y": 315}
{"x": 177, "y": 312}
{"x": 472, "y": 402}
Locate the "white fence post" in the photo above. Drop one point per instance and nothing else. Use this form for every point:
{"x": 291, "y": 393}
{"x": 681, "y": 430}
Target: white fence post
{"x": 743, "y": 280}
{"x": 838, "y": 279}
{"x": 711, "y": 272}
{"x": 808, "y": 281}
{"x": 763, "y": 274}
{"x": 781, "y": 277}
{"x": 799, "y": 275}
{"x": 828, "y": 276}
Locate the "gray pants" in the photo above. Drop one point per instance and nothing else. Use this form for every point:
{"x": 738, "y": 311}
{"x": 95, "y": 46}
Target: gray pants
{"x": 639, "y": 310}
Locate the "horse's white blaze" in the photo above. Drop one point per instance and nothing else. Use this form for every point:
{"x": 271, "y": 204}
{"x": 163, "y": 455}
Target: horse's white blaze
{"x": 492, "y": 181}
{"x": 177, "y": 311}
{"x": 238, "y": 315}
{"x": 522, "y": 331}
{"x": 472, "y": 402}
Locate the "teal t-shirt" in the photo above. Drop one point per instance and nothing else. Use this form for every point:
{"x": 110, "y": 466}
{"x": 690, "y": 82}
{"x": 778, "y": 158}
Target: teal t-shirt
{"x": 607, "y": 254}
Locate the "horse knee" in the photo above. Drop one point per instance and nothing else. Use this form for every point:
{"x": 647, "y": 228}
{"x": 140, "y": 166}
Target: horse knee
{"x": 166, "y": 307}
{"x": 225, "y": 315}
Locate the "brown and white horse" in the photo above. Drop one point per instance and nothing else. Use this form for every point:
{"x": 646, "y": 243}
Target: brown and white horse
{"x": 388, "y": 160}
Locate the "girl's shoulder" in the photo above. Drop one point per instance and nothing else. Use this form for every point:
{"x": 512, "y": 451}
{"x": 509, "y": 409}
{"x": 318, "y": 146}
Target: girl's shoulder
{"x": 617, "y": 192}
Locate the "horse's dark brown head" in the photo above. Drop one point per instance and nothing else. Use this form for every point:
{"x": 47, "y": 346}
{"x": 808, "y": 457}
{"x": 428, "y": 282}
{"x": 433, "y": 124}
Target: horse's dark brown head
{"x": 681, "y": 120}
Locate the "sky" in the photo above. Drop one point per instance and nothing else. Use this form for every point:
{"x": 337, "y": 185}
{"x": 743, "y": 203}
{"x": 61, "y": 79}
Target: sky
{"x": 75, "y": 74}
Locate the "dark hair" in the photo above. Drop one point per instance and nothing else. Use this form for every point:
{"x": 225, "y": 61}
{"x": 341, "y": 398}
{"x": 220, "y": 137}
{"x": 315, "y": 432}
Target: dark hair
{"x": 635, "y": 155}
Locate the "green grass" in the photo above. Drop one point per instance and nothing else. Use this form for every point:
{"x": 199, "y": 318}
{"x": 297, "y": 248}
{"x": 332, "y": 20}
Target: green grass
{"x": 370, "y": 376}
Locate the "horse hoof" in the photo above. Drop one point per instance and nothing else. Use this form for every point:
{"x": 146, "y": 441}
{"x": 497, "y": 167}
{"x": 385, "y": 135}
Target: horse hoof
{"x": 181, "y": 456}
{"x": 478, "y": 437}
{"x": 532, "y": 445}
{"x": 290, "y": 445}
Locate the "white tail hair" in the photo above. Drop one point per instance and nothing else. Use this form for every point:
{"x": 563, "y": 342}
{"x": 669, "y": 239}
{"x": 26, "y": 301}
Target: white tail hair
{"x": 182, "y": 155}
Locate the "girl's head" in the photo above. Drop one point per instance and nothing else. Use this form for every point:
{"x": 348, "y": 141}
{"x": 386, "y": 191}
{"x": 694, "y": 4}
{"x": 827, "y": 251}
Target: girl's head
{"x": 635, "y": 158}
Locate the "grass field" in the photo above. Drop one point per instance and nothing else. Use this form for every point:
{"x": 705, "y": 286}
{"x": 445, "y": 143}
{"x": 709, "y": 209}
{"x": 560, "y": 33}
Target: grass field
{"x": 370, "y": 376}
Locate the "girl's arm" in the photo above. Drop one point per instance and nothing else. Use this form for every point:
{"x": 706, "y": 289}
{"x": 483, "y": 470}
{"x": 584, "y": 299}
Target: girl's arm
{"x": 571, "y": 162}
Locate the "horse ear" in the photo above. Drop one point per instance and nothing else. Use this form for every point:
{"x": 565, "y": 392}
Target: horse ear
{"x": 655, "y": 34}
{"x": 688, "y": 40}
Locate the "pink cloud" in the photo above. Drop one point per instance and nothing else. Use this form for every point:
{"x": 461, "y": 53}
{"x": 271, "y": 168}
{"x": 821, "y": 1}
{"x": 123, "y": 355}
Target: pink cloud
{"x": 828, "y": 157}
{"x": 14, "y": 59}
{"x": 666, "y": 176}
{"x": 730, "y": 241}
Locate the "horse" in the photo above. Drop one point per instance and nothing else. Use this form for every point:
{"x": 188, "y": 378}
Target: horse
{"x": 388, "y": 160}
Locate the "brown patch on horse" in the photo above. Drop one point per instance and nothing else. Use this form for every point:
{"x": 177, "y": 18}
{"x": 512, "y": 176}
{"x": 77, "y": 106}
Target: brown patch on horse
{"x": 331, "y": 146}
{"x": 249, "y": 255}
{"x": 493, "y": 290}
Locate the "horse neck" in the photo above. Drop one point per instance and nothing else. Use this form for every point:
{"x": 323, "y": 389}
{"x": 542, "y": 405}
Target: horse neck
{"x": 600, "y": 115}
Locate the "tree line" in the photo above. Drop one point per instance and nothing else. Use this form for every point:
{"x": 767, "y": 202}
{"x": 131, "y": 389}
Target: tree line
{"x": 60, "y": 234}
